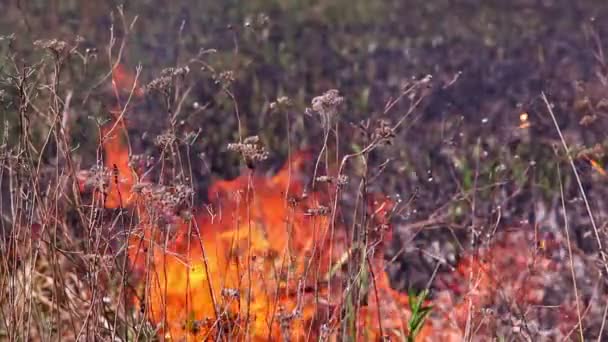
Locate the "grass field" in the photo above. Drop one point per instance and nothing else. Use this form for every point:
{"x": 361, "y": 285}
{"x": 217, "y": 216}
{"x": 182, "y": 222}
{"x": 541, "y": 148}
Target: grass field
{"x": 303, "y": 170}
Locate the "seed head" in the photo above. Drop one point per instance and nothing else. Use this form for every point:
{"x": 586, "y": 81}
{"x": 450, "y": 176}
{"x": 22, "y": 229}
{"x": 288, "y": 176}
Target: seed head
{"x": 327, "y": 106}
{"x": 251, "y": 149}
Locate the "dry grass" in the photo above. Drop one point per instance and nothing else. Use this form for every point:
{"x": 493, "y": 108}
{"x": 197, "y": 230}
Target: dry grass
{"x": 66, "y": 272}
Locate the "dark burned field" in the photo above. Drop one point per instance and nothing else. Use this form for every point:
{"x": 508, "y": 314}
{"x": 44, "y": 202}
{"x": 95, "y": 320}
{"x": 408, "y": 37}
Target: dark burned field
{"x": 484, "y": 122}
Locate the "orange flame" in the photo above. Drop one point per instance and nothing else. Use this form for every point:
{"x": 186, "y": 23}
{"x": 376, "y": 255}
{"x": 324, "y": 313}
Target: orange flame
{"x": 253, "y": 267}
{"x": 122, "y": 177}
{"x": 249, "y": 269}
{"x": 123, "y": 80}
{"x": 596, "y": 166}
{"x": 246, "y": 271}
{"x": 254, "y": 263}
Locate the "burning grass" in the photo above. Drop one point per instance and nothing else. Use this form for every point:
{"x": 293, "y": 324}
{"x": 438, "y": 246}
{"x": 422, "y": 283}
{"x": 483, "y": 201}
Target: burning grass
{"x": 254, "y": 263}
{"x": 265, "y": 260}
{"x": 124, "y": 252}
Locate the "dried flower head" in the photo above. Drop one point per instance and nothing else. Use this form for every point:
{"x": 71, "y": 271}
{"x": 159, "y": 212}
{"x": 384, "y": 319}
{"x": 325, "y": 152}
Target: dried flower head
{"x": 160, "y": 84}
{"x": 231, "y": 293}
{"x": 140, "y": 162}
{"x": 138, "y": 188}
{"x": 54, "y": 45}
{"x": 318, "y": 211}
{"x": 325, "y": 179}
{"x": 251, "y": 149}
{"x": 282, "y": 103}
{"x": 165, "y": 139}
{"x": 175, "y": 72}
{"x": 384, "y": 133}
{"x": 342, "y": 180}
{"x": 167, "y": 79}
{"x": 225, "y": 78}
{"x": 327, "y": 106}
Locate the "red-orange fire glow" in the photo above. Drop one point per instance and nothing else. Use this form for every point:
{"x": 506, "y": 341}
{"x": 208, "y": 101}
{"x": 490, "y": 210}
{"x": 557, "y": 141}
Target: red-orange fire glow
{"x": 249, "y": 269}
{"x": 258, "y": 262}
{"x": 124, "y": 81}
{"x": 122, "y": 177}
{"x": 113, "y": 184}
{"x": 253, "y": 266}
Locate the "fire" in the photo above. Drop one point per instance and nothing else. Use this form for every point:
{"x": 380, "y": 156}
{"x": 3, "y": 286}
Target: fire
{"x": 253, "y": 264}
{"x": 119, "y": 191}
{"x": 250, "y": 267}
{"x": 247, "y": 269}
{"x": 597, "y": 166}
{"x": 257, "y": 262}
{"x": 124, "y": 81}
